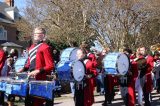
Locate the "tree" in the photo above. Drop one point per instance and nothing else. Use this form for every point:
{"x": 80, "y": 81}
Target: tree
{"x": 113, "y": 23}
{"x": 126, "y": 22}
{"x": 65, "y": 20}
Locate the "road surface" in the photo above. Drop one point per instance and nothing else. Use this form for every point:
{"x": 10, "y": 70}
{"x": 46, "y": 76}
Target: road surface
{"x": 67, "y": 100}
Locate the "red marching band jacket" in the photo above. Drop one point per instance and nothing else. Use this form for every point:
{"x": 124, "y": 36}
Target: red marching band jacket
{"x": 150, "y": 65}
{"x": 2, "y": 59}
{"x": 43, "y": 61}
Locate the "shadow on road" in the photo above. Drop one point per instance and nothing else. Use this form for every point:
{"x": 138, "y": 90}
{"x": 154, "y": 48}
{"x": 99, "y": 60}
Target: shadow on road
{"x": 119, "y": 102}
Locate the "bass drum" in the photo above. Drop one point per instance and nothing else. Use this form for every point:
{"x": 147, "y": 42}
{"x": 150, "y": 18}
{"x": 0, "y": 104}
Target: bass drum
{"x": 20, "y": 62}
{"x": 70, "y": 70}
{"x": 69, "y": 54}
{"x": 116, "y": 63}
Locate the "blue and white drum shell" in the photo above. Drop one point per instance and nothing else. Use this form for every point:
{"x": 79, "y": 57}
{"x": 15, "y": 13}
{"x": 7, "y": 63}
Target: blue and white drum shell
{"x": 43, "y": 89}
{"x": 64, "y": 70}
{"x": 116, "y": 63}
{"x": 20, "y": 62}
{"x": 69, "y": 54}
{"x": 17, "y": 87}
{"x": 70, "y": 70}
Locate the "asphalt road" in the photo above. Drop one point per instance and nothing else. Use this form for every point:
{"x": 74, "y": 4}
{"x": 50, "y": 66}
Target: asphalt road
{"x": 67, "y": 100}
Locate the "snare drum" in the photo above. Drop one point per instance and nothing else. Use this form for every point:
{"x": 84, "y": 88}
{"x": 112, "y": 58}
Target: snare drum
{"x": 43, "y": 89}
{"x": 69, "y": 54}
{"x": 2, "y": 85}
{"x": 17, "y": 87}
{"x": 116, "y": 63}
{"x": 3, "y": 82}
{"x": 70, "y": 70}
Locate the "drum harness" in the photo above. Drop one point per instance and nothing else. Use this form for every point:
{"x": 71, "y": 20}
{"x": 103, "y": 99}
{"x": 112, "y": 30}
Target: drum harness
{"x": 81, "y": 84}
{"x": 32, "y": 55}
{"x": 124, "y": 78}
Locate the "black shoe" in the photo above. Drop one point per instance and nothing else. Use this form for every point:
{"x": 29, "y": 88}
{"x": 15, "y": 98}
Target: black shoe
{"x": 104, "y": 104}
{"x": 59, "y": 95}
{"x": 101, "y": 93}
{"x": 109, "y": 103}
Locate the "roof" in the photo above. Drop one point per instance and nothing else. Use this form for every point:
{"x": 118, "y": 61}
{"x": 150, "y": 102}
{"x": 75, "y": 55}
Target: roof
{"x": 11, "y": 44}
{"x": 6, "y": 21}
{"x": 4, "y": 17}
{"x": 11, "y": 8}
{"x": 3, "y": 5}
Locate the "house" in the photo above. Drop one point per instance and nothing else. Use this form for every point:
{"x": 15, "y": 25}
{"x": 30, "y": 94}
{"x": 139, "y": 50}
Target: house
{"x": 9, "y": 14}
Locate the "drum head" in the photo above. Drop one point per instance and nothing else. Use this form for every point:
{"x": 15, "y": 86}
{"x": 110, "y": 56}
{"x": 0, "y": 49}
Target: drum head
{"x": 123, "y": 64}
{"x": 78, "y": 70}
{"x": 73, "y": 55}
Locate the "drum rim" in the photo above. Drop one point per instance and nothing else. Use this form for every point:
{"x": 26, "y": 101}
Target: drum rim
{"x": 41, "y": 82}
{"x": 70, "y": 53}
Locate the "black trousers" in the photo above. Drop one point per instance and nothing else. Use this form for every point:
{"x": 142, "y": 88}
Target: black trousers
{"x": 1, "y": 98}
{"x": 147, "y": 96}
{"x": 29, "y": 101}
{"x": 157, "y": 84}
{"x": 109, "y": 93}
{"x": 79, "y": 95}
{"x": 50, "y": 102}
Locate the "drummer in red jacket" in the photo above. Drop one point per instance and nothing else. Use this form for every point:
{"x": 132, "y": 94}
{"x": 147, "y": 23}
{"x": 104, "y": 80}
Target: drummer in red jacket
{"x": 2, "y": 59}
{"x": 91, "y": 56}
{"x": 127, "y": 82}
{"x": 146, "y": 76}
{"x": 84, "y": 92}
{"x": 40, "y": 61}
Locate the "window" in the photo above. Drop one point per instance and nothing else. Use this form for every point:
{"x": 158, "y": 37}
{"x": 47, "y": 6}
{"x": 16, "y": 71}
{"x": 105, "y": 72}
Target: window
{"x": 3, "y": 34}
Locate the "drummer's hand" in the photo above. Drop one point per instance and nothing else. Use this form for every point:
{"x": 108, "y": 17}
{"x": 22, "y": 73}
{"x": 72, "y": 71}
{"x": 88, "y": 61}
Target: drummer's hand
{"x": 130, "y": 73}
{"x": 34, "y": 73}
{"x": 20, "y": 70}
{"x": 88, "y": 76}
